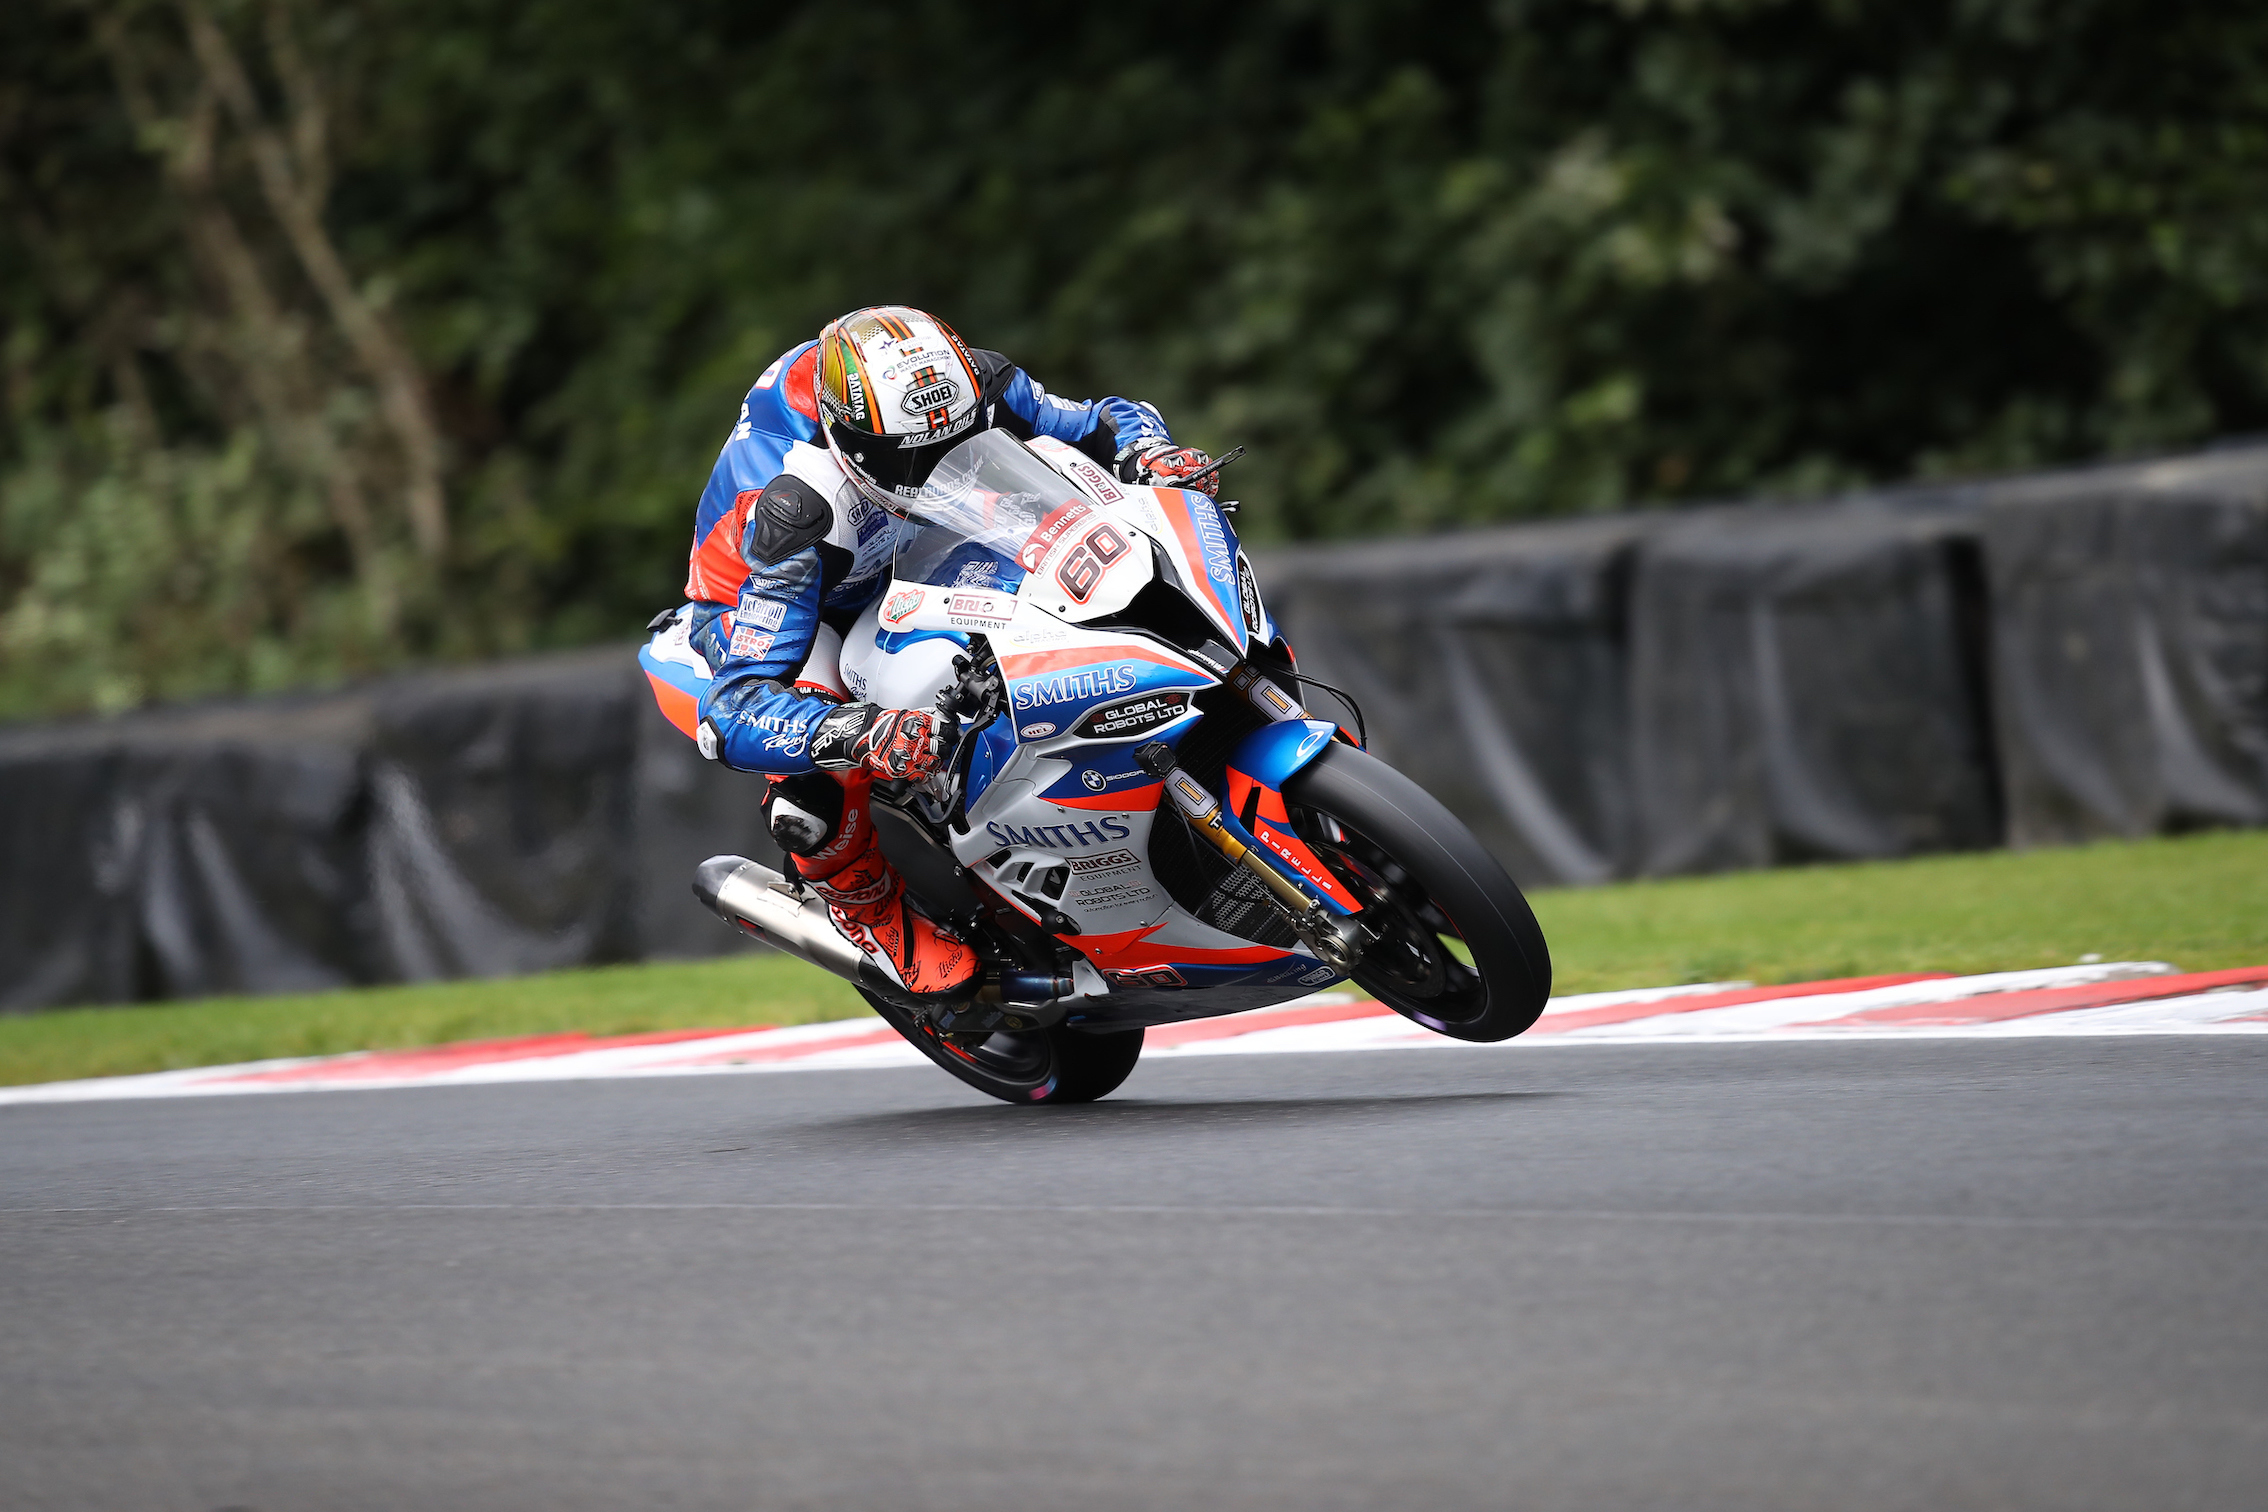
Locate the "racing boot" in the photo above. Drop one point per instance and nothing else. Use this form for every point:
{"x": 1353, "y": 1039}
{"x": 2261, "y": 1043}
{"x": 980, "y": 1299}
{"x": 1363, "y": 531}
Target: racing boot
{"x": 840, "y": 854}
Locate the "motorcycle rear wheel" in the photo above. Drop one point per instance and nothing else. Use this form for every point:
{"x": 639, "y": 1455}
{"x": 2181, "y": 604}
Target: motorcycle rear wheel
{"x": 1046, "y": 1067}
{"x": 1424, "y": 882}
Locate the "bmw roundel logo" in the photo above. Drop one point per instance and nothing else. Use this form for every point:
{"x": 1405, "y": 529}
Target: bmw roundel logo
{"x": 1094, "y": 781}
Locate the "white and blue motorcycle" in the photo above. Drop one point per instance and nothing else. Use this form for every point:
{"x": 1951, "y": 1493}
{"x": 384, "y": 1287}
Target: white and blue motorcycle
{"x": 1139, "y": 822}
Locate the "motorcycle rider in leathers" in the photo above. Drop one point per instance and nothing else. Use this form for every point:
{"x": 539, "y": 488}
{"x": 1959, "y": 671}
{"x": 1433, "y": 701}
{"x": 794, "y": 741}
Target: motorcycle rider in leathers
{"x": 794, "y": 539}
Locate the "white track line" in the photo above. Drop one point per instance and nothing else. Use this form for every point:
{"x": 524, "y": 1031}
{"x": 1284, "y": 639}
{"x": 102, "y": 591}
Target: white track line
{"x": 866, "y": 1043}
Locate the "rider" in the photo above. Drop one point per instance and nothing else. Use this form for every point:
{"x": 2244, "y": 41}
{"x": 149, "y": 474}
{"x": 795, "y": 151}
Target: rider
{"x": 794, "y": 538}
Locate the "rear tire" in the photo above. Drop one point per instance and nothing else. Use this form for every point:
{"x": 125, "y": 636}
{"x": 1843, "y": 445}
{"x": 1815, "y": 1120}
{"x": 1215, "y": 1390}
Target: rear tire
{"x": 1424, "y": 881}
{"x": 1045, "y": 1067}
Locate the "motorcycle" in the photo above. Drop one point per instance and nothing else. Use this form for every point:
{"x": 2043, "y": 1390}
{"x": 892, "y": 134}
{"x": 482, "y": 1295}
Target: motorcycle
{"x": 1136, "y": 822}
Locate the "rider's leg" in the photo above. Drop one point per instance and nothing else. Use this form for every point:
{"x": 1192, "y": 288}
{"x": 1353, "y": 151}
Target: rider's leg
{"x": 823, "y": 821}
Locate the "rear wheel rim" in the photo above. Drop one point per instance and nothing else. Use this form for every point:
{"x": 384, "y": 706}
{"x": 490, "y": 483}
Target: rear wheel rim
{"x": 1021, "y": 1060}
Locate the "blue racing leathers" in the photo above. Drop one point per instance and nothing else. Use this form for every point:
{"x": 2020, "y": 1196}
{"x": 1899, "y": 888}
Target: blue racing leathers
{"x": 785, "y": 549}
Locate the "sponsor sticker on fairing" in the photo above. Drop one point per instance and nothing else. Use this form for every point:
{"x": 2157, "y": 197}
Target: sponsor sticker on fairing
{"x": 1083, "y": 686}
{"x": 1062, "y": 837}
{"x": 976, "y": 610}
{"x": 1038, "y": 729}
{"x": 1087, "y": 866}
{"x": 1049, "y": 533}
{"x": 1095, "y": 480}
{"x": 1115, "y": 721}
{"x": 1111, "y": 895}
{"x": 900, "y": 606}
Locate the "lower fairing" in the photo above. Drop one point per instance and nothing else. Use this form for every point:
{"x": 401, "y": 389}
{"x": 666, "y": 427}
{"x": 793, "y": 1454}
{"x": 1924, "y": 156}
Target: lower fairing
{"x": 1142, "y": 1007}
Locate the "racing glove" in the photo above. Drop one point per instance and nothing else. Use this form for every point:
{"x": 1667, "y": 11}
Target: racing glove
{"x": 891, "y": 743}
{"x": 1159, "y": 463}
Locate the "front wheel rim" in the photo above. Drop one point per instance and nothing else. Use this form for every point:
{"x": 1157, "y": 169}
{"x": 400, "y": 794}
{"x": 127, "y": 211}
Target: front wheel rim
{"x": 1406, "y": 965}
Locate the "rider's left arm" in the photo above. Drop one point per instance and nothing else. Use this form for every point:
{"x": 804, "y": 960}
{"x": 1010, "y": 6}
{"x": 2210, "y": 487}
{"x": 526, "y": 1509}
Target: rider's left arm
{"x": 1102, "y": 428}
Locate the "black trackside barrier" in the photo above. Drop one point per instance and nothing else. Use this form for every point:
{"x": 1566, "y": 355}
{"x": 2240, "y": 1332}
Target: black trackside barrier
{"x": 1492, "y": 668}
{"x": 1801, "y": 688}
{"x": 2024, "y": 660}
{"x": 2130, "y": 648}
{"x": 494, "y": 820}
{"x": 2028, "y": 660}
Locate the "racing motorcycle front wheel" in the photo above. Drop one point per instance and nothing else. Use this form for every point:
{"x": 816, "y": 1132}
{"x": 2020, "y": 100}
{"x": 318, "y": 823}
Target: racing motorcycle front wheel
{"x": 1043, "y": 1066}
{"x": 1453, "y": 943}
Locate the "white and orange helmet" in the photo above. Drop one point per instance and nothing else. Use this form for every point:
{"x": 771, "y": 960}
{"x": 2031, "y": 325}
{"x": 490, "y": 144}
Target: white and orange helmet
{"x": 897, "y": 390}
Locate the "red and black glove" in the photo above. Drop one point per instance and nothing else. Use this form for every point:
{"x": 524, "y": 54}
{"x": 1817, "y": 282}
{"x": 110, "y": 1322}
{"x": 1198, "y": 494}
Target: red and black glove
{"x": 893, "y": 743}
{"x": 1163, "y": 464}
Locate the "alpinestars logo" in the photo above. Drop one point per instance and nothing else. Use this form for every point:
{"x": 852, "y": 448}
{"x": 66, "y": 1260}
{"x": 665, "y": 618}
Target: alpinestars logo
{"x": 1084, "y": 686}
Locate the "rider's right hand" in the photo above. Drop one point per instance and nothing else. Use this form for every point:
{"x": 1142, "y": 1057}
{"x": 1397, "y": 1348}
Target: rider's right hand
{"x": 891, "y": 743}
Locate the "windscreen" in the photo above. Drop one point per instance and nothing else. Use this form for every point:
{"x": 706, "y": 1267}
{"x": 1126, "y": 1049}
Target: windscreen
{"x": 975, "y": 514}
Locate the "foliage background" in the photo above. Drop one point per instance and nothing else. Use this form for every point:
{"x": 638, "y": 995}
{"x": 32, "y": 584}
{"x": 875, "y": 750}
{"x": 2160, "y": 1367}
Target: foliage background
{"x": 343, "y": 334}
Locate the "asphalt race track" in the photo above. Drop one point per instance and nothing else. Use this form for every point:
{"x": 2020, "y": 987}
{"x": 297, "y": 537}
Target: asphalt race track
{"x": 1920, "y": 1274}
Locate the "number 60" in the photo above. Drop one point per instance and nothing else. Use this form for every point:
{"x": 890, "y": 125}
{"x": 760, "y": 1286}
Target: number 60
{"x": 1083, "y": 568}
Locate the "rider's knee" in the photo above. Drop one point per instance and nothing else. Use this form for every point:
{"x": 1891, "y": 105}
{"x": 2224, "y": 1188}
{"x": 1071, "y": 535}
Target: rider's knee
{"x": 804, "y": 812}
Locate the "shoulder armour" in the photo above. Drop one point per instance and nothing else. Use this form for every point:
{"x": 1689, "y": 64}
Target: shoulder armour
{"x": 790, "y": 515}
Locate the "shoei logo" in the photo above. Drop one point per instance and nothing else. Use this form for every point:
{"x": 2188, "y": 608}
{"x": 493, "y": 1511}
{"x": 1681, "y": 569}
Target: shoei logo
{"x": 1103, "y": 831}
{"x": 1115, "y": 720}
{"x": 932, "y": 395}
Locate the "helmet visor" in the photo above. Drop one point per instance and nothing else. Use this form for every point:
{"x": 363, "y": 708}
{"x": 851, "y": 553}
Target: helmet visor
{"x": 887, "y": 469}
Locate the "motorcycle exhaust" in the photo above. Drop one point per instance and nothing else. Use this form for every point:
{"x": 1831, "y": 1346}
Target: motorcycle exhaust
{"x": 757, "y": 899}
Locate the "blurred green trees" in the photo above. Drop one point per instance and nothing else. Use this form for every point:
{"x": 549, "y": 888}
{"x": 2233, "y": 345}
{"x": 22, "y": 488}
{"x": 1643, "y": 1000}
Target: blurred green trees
{"x": 338, "y": 334}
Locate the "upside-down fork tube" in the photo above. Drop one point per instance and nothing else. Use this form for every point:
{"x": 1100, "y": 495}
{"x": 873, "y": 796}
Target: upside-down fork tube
{"x": 1336, "y": 942}
{"x": 1263, "y": 694}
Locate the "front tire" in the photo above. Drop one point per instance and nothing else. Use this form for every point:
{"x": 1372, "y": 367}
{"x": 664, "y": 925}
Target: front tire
{"x": 1424, "y": 881}
{"x": 1046, "y": 1067}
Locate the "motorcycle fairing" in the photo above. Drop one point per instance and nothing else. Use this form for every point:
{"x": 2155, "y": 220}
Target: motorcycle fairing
{"x": 1054, "y": 816}
{"x": 1258, "y": 768}
{"x": 1059, "y": 689}
{"x": 1207, "y": 552}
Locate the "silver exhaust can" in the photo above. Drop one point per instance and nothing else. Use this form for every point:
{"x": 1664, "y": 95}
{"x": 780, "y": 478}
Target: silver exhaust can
{"x": 759, "y": 900}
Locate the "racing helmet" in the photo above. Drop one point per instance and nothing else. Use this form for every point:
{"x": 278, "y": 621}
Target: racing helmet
{"x": 897, "y": 390}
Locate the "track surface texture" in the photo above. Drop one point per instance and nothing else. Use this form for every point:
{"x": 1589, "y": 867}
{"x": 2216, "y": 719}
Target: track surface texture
{"x": 1864, "y": 1276}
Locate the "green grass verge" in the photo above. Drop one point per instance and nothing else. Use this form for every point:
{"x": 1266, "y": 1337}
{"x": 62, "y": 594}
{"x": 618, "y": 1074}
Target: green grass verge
{"x": 754, "y": 989}
{"x": 2200, "y": 902}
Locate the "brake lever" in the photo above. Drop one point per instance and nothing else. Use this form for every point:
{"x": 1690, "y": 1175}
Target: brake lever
{"x": 1210, "y": 468}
